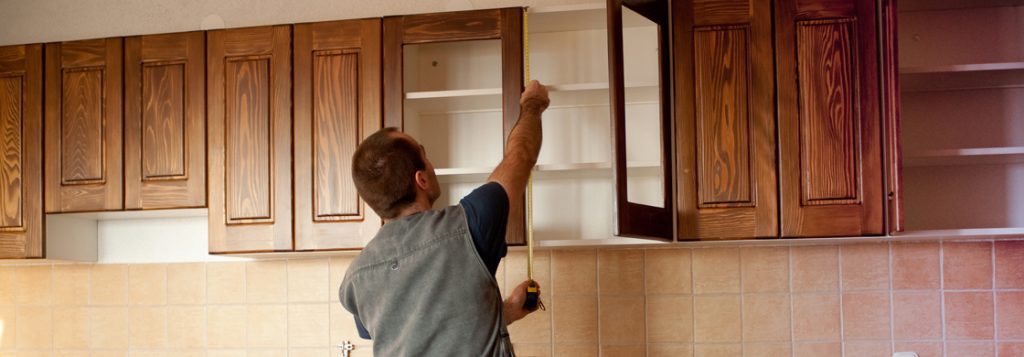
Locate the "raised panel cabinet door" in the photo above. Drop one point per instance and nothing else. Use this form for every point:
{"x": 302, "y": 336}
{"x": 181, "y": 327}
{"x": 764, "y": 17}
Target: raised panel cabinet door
{"x": 829, "y": 120}
{"x": 725, "y": 119}
{"x": 337, "y": 105}
{"x": 504, "y": 24}
{"x": 83, "y": 126}
{"x": 165, "y": 121}
{"x": 21, "y": 152}
{"x": 249, "y": 139}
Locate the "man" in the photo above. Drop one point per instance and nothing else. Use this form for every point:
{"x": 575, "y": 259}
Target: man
{"x": 425, "y": 286}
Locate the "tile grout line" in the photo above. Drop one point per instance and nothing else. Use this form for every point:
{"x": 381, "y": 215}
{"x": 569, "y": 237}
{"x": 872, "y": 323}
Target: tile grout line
{"x": 942, "y": 295}
{"x": 995, "y": 303}
{"x": 792, "y": 324}
{"x": 643, "y": 282}
{"x": 739, "y": 263}
{"x": 842, "y": 320}
{"x": 693, "y": 307}
{"x": 892, "y": 296}
{"x": 597, "y": 278}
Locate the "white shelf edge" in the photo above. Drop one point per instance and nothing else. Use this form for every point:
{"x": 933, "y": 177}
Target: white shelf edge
{"x": 964, "y": 156}
{"x": 973, "y": 67}
{"x": 461, "y": 171}
{"x": 963, "y": 233}
{"x": 961, "y": 88}
{"x": 452, "y": 93}
{"x": 967, "y": 152}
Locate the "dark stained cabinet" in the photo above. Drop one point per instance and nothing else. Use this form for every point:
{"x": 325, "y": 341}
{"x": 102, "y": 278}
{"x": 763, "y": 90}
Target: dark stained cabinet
{"x": 337, "y": 104}
{"x": 725, "y": 119}
{"x": 829, "y": 118}
{"x": 165, "y": 121}
{"x": 21, "y": 152}
{"x": 249, "y": 139}
{"x": 83, "y": 126}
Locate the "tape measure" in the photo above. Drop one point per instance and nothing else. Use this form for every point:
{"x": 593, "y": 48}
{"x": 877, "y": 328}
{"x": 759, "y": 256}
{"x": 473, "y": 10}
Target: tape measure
{"x": 533, "y": 290}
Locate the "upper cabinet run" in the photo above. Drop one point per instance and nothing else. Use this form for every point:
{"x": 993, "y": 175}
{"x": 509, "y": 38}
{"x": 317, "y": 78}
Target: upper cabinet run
{"x": 165, "y": 121}
{"x": 337, "y": 104}
{"x": 250, "y": 130}
{"x": 21, "y": 152}
{"x": 83, "y": 126}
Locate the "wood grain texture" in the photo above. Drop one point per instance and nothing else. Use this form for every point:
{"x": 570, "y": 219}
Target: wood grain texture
{"x": 725, "y": 121}
{"x": 249, "y": 139}
{"x": 723, "y": 116}
{"x": 337, "y": 104}
{"x": 165, "y": 121}
{"x": 829, "y": 121}
{"x": 504, "y": 24}
{"x": 21, "y": 118}
{"x": 829, "y": 112}
{"x": 83, "y": 123}
{"x": 634, "y": 219}
{"x": 890, "y": 97}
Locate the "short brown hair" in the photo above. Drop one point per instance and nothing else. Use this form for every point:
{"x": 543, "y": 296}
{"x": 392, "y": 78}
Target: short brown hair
{"x": 383, "y": 169}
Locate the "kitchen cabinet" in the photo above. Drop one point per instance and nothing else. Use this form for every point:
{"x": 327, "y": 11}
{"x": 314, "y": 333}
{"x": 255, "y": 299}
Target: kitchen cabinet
{"x": 21, "y": 172}
{"x": 249, "y": 143}
{"x": 83, "y": 121}
{"x": 165, "y": 121}
{"x": 453, "y": 81}
{"x": 337, "y": 90}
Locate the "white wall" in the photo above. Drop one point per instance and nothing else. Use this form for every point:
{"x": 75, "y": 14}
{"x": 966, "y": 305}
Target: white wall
{"x": 33, "y": 21}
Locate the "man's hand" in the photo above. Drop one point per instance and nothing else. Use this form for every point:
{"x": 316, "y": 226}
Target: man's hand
{"x": 513, "y": 309}
{"x": 535, "y": 97}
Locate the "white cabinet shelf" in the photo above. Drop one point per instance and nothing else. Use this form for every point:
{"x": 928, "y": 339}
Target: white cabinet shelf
{"x": 968, "y": 67}
{"x": 545, "y": 168}
{"x": 967, "y": 156}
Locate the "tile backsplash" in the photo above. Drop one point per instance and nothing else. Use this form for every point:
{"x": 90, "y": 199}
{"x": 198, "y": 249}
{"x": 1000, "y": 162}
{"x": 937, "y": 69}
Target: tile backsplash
{"x": 866, "y": 299}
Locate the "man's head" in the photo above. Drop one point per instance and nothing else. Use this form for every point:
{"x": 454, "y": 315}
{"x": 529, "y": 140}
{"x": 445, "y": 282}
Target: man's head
{"x": 391, "y": 171}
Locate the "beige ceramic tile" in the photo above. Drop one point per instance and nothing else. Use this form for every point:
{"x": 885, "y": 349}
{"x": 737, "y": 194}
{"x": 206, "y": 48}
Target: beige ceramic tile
{"x": 967, "y": 265}
{"x": 109, "y": 284}
{"x": 532, "y": 349}
{"x": 716, "y": 319}
{"x": 915, "y": 266}
{"x": 576, "y": 350}
{"x": 515, "y": 270}
{"x": 669, "y": 318}
{"x": 815, "y": 269}
{"x": 667, "y": 271}
{"x": 109, "y": 353}
{"x": 148, "y": 353}
{"x": 969, "y": 315}
{"x": 574, "y": 272}
{"x": 868, "y": 348}
{"x": 1010, "y": 349}
{"x": 186, "y": 284}
{"x": 147, "y": 284}
{"x": 33, "y": 285}
{"x": 266, "y": 281}
{"x": 767, "y": 349}
{"x": 669, "y": 350}
{"x": 1010, "y": 312}
{"x": 575, "y": 319}
{"x": 970, "y": 349}
{"x": 307, "y": 280}
{"x": 866, "y": 316}
{"x": 69, "y": 353}
{"x": 226, "y": 326}
{"x": 716, "y": 270}
{"x": 268, "y": 353}
{"x": 35, "y": 328}
{"x": 815, "y": 318}
{"x": 225, "y": 283}
{"x": 1009, "y": 260}
{"x": 7, "y": 295}
{"x": 309, "y": 352}
{"x": 268, "y": 326}
{"x": 71, "y": 327}
{"x": 917, "y": 315}
{"x": 226, "y": 353}
{"x": 108, "y": 328}
{"x": 718, "y": 350}
{"x": 865, "y": 266}
{"x": 343, "y": 325}
{"x": 71, "y": 284}
{"x": 923, "y": 349}
{"x": 534, "y": 328}
{"x": 338, "y": 266}
{"x": 309, "y": 324}
{"x": 766, "y": 318}
{"x": 148, "y": 327}
{"x": 817, "y": 349}
{"x": 186, "y": 326}
{"x": 621, "y": 320}
{"x": 620, "y": 271}
{"x": 765, "y": 269}
{"x": 9, "y": 321}
{"x": 623, "y": 351}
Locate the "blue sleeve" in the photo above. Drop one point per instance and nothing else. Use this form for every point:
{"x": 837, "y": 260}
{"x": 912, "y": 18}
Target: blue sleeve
{"x": 362, "y": 330}
{"x": 487, "y": 215}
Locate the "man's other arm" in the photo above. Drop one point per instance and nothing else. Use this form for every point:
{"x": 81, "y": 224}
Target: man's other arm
{"x": 524, "y": 142}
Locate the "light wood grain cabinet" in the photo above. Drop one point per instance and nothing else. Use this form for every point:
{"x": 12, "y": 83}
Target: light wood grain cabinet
{"x": 337, "y": 104}
{"x": 249, "y": 105}
{"x": 84, "y": 126}
{"x": 165, "y": 121}
{"x": 21, "y": 152}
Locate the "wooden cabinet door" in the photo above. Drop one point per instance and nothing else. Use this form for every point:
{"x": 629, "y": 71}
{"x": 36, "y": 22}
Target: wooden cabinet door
{"x": 83, "y": 126}
{"x": 165, "y": 121}
{"x": 249, "y": 143}
{"x": 505, "y": 24}
{"x": 21, "y": 152}
{"x": 337, "y": 105}
{"x": 828, "y": 103}
{"x": 725, "y": 119}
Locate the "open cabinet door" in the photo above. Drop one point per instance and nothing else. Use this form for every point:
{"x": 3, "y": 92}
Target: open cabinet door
{"x": 640, "y": 112}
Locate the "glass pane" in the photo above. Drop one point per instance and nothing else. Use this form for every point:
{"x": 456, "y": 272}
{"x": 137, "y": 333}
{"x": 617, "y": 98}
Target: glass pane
{"x": 640, "y": 53}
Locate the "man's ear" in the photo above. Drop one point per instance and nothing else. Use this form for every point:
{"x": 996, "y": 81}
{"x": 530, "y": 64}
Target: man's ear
{"x": 421, "y": 179}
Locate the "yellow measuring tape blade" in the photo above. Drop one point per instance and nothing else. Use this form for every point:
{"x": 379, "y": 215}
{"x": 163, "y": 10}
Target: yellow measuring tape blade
{"x": 529, "y": 185}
